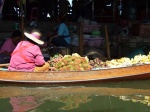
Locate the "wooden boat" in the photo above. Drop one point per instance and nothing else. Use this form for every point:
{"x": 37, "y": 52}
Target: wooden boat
{"x": 132, "y": 72}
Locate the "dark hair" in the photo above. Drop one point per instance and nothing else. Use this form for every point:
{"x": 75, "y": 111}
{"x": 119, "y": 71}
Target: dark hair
{"x": 62, "y": 17}
{"x": 16, "y": 33}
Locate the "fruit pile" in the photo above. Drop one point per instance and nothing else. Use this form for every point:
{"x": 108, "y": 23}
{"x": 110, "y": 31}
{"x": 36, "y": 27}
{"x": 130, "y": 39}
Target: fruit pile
{"x": 55, "y": 59}
{"x": 75, "y": 62}
{"x": 122, "y": 62}
{"x": 97, "y": 63}
{"x": 72, "y": 62}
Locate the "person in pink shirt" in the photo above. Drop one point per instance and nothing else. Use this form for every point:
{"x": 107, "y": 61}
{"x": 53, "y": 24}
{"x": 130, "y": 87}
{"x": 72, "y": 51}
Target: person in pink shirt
{"x": 8, "y": 46}
{"x": 27, "y": 55}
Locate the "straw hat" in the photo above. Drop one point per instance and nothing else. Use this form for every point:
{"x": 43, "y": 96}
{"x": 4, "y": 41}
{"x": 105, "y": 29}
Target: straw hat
{"x": 34, "y": 36}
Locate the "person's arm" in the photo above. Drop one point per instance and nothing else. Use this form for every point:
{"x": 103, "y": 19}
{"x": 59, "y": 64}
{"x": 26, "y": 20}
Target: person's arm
{"x": 39, "y": 59}
{"x": 50, "y": 40}
{"x": 49, "y": 35}
{"x": 7, "y": 47}
{"x": 59, "y": 33}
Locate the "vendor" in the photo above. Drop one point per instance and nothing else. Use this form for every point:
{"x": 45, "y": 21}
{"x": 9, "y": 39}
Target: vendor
{"x": 61, "y": 36}
{"x": 8, "y": 46}
{"x": 27, "y": 56}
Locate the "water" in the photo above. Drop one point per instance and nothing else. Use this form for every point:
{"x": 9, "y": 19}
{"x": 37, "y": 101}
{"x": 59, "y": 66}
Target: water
{"x": 118, "y": 96}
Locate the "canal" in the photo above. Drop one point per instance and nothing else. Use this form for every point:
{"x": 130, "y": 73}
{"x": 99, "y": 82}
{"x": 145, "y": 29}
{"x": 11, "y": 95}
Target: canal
{"x": 106, "y": 96}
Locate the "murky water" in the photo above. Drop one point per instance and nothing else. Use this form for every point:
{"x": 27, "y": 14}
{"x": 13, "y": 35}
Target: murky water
{"x": 119, "y": 96}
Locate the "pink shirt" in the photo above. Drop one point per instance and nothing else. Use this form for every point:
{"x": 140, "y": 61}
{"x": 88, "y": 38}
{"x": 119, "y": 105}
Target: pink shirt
{"x": 8, "y": 46}
{"x": 27, "y": 58}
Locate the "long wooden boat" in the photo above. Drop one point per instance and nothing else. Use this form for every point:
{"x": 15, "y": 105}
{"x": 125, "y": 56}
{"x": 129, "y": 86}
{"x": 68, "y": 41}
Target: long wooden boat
{"x": 132, "y": 72}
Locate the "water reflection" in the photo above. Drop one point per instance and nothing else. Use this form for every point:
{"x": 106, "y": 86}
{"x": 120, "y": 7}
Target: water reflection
{"x": 74, "y": 99}
{"x": 25, "y": 103}
{"x": 137, "y": 98}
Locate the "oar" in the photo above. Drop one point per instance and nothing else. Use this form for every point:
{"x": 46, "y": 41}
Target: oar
{"x": 4, "y": 65}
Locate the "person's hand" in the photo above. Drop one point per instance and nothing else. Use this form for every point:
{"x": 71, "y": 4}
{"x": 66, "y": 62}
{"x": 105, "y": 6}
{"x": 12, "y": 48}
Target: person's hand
{"x": 52, "y": 68}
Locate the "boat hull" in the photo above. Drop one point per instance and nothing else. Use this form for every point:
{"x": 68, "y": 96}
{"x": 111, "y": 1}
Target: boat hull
{"x": 133, "y": 72}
